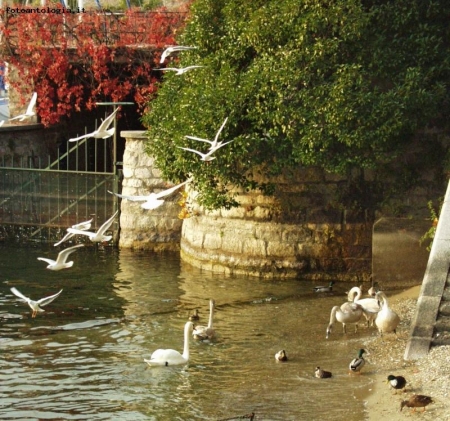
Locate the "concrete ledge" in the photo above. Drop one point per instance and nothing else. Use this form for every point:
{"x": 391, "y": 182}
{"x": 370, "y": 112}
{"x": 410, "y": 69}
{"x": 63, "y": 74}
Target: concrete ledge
{"x": 431, "y": 293}
{"x": 133, "y": 134}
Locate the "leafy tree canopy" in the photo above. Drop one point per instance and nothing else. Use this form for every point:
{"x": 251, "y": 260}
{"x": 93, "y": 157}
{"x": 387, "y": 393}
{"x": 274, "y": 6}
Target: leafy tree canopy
{"x": 340, "y": 84}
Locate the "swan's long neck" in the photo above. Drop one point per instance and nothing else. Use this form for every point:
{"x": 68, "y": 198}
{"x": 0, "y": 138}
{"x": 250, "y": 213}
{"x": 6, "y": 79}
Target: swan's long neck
{"x": 211, "y": 313}
{"x": 333, "y": 314}
{"x": 187, "y": 331}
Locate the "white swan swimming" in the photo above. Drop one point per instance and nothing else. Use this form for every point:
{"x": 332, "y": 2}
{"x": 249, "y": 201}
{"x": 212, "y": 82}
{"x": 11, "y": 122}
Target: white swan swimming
{"x": 167, "y": 357}
{"x": 99, "y": 236}
{"x": 61, "y": 261}
{"x": 352, "y": 314}
{"x": 29, "y": 112}
{"x": 387, "y": 319}
{"x": 369, "y": 305}
{"x": 102, "y": 132}
{"x": 206, "y": 332}
{"x": 35, "y": 305}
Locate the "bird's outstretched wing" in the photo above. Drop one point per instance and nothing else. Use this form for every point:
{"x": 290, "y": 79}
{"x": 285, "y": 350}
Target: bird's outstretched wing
{"x": 17, "y": 293}
{"x": 31, "y": 104}
{"x": 47, "y": 300}
{"x": 64, "y": 254}
{"x": 107, "y": 122}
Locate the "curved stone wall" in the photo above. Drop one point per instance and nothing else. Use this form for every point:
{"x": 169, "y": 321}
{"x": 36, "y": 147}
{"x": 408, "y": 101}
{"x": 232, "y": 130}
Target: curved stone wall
{"x": 295, "y": 234}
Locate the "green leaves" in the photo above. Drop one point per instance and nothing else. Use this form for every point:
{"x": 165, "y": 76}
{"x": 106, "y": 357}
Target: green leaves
{"x": 341, "y": 85}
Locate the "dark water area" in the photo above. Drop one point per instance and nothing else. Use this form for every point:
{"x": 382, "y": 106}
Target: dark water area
{"x": 83, "y": 358}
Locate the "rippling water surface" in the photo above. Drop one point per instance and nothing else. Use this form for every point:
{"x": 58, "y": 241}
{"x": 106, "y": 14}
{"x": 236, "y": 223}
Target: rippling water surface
{"x": 83, "y": 358}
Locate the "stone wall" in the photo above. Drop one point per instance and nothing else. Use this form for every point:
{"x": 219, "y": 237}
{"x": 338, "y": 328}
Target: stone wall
{"x": 296, "y": 233}
{"x": 158, "y": 229}
{"x": 26, "y": 145}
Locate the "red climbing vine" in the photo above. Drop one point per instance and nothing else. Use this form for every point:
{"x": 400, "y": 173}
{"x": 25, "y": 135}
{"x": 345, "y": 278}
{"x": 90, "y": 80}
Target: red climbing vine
{"x": 73, "y": 60}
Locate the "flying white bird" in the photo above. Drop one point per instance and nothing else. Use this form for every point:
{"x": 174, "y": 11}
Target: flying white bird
{"x": 181, "y": 70}
{"x": 61, "y": 260}
{"x": 153, "y": 200}
{"x": 29, "y": 112}
{"x": 102, "y": 132}
{"x": 35, "y": 305}
{"x": 214, "y": 143}
{"x": 207, "y": 156}
{"x": 99, "y": 236}
{"x": 80, "y": 226}
{"x": 2, "y": 123}
{"x": 168, "y": 51}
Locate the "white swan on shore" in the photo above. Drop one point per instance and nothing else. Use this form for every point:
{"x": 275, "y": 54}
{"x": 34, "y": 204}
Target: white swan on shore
{"x": 167, "y": 357}
{"x": 387, "y": 319}
{"x": 206, "y": 332}
{"x": 351, "y": 315}
{"x": 369, "y": 305}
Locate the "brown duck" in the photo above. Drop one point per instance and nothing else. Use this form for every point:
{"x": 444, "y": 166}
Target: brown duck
{"x": 417, "y": 401}
{"x": 322, "y": 374}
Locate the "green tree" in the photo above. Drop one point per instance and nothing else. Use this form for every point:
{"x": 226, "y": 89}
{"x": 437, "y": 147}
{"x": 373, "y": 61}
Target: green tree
{"x": 341, "y": 84}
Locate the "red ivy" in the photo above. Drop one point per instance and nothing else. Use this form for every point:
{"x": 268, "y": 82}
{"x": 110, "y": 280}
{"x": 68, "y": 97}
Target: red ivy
{"x": 75, "y": 60}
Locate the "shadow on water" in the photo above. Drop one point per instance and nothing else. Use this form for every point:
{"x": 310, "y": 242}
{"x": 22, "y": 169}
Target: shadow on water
{"x": 83, "y": 357}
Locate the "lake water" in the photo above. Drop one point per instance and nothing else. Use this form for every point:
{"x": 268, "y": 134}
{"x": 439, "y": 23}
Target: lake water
{"x": 83, "y": 358}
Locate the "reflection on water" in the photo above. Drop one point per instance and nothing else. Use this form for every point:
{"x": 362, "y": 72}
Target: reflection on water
{"x": 83, "y": 358}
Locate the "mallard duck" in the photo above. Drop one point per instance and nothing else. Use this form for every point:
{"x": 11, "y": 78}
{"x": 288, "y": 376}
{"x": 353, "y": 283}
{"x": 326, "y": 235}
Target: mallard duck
{"x": 166, "y": 357}
{"x": 322, "y": 374}
{"x": 324, "y": 288}
{"x": 206, "y": 332}
{"x": 370, "y": 306}
{"x": 194, "y": 316}
{"x": 417, "y": 401}
{"x": 357, "y": 363}
{"x": 387, "y": 319}
{"x": 396, "y": 382}
{"x": 281, "y": 355}
{"x": 351, "y": 313}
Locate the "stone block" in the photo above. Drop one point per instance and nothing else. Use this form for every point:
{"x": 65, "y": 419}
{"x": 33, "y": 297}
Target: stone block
{"x": 212, "y": 241}
{"x": 232, "y": 244}
{"x": 254, "y": 247}
{"x": 278, "y": 249}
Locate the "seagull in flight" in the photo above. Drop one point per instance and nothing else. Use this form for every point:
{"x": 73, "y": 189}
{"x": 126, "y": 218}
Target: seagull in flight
{"x": 179, "y": 71}
{"x": 168, "y": 51}
{"x": 80, "y": 226}
{"x": 214, "y": 143}
{"x": 207, "y": 156}
{"x": 61, "y": 260}
{"x": 35, "y": 305}
{"x": 99, "y": 236}
{"x": 29, "y": 112}
{"x": 153, "y": 200}
{"x": 102, "y": 132}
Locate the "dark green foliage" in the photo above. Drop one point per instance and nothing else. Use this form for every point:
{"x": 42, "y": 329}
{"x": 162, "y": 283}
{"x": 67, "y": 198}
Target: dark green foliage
{"x": 340, "y": 84}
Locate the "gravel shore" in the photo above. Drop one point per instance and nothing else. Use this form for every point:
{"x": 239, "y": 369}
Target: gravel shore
{"x": 428, "y": 376}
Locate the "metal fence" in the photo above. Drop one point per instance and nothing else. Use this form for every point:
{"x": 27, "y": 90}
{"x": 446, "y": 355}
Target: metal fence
{"x": 45, "y": 199}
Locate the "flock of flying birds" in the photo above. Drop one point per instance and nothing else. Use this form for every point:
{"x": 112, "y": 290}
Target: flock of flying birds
{"x": 374, "y": 308}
